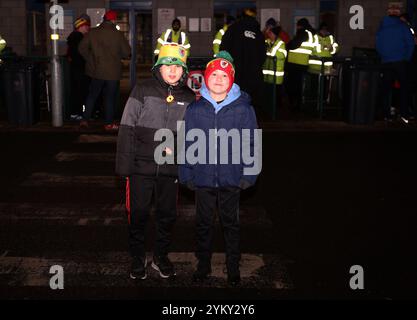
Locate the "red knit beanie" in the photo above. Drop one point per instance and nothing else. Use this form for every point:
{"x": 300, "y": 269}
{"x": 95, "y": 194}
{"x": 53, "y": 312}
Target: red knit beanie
{"x": 111, "y": 15}
{"x": 224, "y": 63}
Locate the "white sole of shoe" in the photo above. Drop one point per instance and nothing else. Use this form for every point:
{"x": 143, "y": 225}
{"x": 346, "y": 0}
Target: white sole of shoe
{"x": 155, "y": 267}
{"x": 142, "y": 278}
{"x": 145, "y": 276}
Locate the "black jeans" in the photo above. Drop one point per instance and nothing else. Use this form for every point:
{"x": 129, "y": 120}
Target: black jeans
{"x": 395, "y": 71}
{"x": 227, "y": 202}
{"x": 79, "y": 89}
{"x": 164, "y": 190}
{"x": 110, "y": 91}
{"x": 294, "y": 84}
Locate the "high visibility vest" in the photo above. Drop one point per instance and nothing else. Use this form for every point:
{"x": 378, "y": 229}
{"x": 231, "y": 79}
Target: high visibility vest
{"x": 170, "y": 36}
{"x": 325, "y": 47}
{"x": 302, "y": 54}
{"x": 273, "y": 68}
{"x": 2, "y": 44}
{"x": 218, "y": 39}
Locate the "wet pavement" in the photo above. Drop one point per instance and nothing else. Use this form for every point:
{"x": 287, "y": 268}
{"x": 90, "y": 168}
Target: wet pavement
{"x": 330, "y": 196}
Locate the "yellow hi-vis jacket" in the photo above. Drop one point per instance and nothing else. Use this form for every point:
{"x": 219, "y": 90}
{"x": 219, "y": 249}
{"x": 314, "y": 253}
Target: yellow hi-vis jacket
{"x": 324, "y": 47}
{"x": 218, "y": 39}
{"x": 302, "y": 54}
{"x": 275, "y": 50}
{"x": 170, "y": 36}
{"x": 2, "y": 44}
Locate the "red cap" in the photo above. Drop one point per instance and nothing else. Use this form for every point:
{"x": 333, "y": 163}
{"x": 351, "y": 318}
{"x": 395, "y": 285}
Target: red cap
{"x": 110, "y": 15}
{"x": 223, "y": 65}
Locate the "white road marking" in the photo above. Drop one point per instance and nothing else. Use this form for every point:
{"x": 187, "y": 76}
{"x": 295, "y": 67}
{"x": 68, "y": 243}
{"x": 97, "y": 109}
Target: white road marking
{"x": 34, "y": 271}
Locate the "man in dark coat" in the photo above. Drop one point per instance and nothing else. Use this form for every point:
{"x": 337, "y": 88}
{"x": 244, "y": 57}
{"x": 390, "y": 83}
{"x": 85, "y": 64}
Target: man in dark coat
{"x": 246, "y": 44}
{"x": 103, "y": 48}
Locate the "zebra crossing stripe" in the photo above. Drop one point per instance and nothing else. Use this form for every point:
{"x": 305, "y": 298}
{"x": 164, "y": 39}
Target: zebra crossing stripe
{"x": 113, "y": 268}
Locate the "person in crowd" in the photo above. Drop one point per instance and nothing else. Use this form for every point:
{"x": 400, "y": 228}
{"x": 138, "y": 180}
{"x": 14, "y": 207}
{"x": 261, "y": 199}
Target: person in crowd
{"x": 219, "y": 35}
{"x": 299, "y": 49}
{"x": 217, "y": 184}
{"x": 173, "y": 35}
{"x": 158, "y": 103}
{"x": 246, "y": 44}
{"x": 103, "y": 48}
{"x": 395, "y": 45}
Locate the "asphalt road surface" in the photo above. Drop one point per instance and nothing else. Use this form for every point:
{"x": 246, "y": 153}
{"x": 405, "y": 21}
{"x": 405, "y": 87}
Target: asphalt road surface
{"x": 327, "y": 200}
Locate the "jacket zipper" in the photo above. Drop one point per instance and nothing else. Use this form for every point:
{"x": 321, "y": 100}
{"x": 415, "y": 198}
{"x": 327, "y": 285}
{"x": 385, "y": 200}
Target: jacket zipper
{"x": 215, "y": 148}
{"x": 166, "y": 122}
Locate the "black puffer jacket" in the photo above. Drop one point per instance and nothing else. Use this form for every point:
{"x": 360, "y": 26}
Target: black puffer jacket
{"x": 147, "y": 111}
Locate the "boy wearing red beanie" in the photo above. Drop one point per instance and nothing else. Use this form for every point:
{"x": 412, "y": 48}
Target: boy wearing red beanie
{"x": 223, "y": 109}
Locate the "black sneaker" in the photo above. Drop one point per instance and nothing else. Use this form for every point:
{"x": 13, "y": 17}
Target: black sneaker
{"x": 202, "y": 272}
{"x": 163, "y": 266}
{"x": 138, "y": 268}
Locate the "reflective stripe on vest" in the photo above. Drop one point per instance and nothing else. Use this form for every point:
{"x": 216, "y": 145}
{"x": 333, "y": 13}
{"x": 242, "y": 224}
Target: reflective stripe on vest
{"x": 300, "y": 50}
{"x": 271, "y": 73}
{"x": 319, "y": 62}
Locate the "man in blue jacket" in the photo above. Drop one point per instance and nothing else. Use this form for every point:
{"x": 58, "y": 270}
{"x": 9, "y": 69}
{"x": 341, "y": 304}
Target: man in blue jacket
{"x": 219, "y": 174}
{"x": 395, "y": 45}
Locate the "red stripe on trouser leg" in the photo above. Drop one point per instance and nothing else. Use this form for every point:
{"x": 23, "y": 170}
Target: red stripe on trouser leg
{"x": 128, "y": 199}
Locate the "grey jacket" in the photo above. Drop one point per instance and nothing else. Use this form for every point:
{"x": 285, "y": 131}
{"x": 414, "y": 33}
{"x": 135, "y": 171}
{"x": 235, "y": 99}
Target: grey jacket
{"x": 146, "y": 111}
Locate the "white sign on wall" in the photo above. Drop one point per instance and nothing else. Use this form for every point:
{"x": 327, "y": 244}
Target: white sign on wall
{"x": 194, "y": 24}
{"x": 205, "y": 25}
{"x": 270, "y": 13}
{"x": 165, "y": 17}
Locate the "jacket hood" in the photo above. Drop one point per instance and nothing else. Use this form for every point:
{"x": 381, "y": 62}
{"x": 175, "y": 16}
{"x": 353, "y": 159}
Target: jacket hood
{"x": 389, "y": 21}
{"x": 234, "y": 94}
{"x": 157, "y": 75}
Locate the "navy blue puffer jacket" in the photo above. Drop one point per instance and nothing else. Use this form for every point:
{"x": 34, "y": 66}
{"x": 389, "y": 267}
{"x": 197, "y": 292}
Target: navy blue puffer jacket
{"x": 234, "y": 113}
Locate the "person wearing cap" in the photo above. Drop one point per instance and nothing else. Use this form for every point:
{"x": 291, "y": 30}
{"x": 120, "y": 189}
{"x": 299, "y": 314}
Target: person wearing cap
{"x": 273, "y": 69}
{"x": 157, "y": 103}
{"x": 395, "y": 46}
{"x": 223, "y": 108}
{"x": 299, "y": 49}
{"x": 219, "y": 35}
{"x": 103, "y": 48}
{"x": 79, "y": 81}
{"x": 325, "y": 46}
{"x": 173, "y": 35}
{"x": 246, "y": 44}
